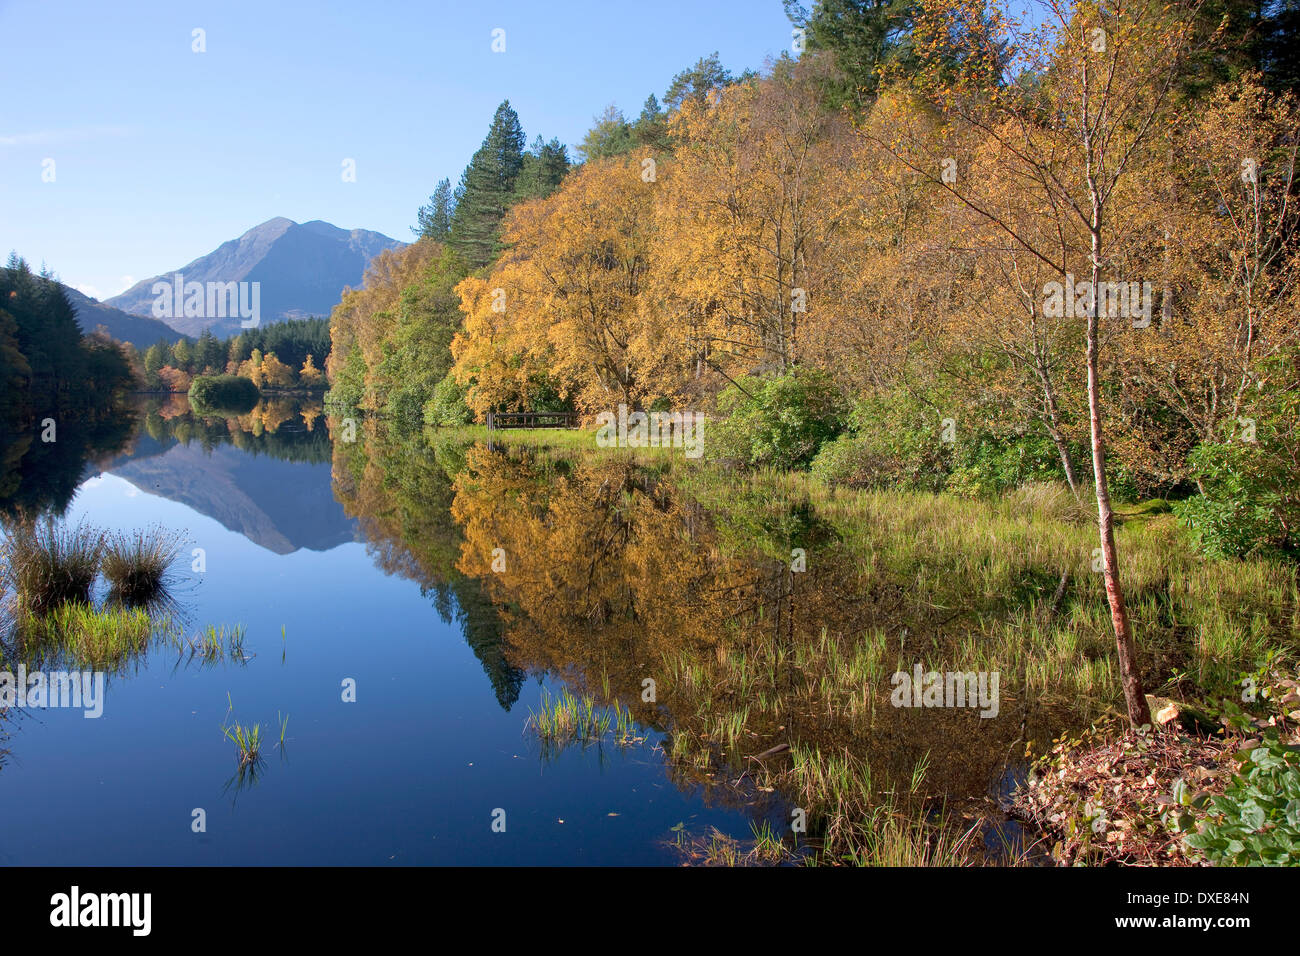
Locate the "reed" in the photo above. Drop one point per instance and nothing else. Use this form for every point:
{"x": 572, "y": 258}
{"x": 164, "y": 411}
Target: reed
{"x": 137, "y": 564}
{"x": 46, "y": 563}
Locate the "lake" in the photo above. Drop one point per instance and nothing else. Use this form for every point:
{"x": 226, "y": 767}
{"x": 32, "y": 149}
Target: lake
{"x": 409, "y": 773}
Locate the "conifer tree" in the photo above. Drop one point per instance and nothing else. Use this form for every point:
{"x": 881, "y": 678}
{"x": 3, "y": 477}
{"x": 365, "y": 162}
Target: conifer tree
{"x": 435, "y": 218}
{"x": 487, "y": 189}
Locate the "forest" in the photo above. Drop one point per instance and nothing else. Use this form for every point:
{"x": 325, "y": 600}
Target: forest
{"x": 877, "y": 239}
{"x": 280, "y": 355}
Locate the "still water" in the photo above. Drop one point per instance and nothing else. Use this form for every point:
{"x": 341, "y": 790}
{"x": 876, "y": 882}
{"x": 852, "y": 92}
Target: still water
{"x": 412, "y": 772}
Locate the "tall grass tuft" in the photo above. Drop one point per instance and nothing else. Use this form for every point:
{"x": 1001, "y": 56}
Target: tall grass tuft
{"x": 47, "y": 563}
{"x": 137, "y": 564}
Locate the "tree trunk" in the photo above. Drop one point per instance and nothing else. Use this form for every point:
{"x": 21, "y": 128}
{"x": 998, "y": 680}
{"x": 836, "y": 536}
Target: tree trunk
{"x": 1054, "y": 430}
{"x": 1134, "y": 697}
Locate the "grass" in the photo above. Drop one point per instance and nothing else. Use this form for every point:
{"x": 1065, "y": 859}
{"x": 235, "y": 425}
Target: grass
{"x": 247, "y": 739}
{"x": 45, "y": 564}
{"x": 566, "y": 719}
{"x": 137, "y": 564}
{"x": 84, "y": 636}
{"x": 214, "y": 644}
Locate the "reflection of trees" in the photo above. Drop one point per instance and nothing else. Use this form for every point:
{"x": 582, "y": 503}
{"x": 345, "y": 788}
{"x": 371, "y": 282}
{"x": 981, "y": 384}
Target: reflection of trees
{"x": 401, "y": 491}
{"x": 613, "y": 573}
{"x": 38, "y": 476}
{"x": 286, "y": 428}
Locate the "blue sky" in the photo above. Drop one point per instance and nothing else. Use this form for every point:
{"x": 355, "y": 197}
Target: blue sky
{"x": 160, "y": 154}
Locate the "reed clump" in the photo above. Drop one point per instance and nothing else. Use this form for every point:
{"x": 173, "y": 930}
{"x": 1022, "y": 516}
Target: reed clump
{"x": 47, "y": 563}
{"x": 137, "y": 564}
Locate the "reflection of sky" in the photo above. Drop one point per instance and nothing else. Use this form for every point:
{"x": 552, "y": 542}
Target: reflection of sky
{"x": 410, "y": 773}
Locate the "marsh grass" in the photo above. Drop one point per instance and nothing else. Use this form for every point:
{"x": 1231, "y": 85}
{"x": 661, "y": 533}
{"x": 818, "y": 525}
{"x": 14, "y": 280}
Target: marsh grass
{"x": 138, "y": 564}
{"x": 248, "y": 741}
{"x": 81, "y": 636}
{"x": 214, "y": 644}
{"x": 965, "y": 585}
{"x": 567, "y": 719}
{"x": 46, "y": 563}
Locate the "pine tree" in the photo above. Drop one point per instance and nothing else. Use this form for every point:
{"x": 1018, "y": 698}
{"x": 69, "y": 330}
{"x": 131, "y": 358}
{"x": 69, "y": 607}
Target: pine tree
{"x": 696, "y": 83}
{"x": 487, "y": 189}
{"x": 651, "y": 127}
{"x": 545, "y": 165}
{"x": 435, "y": 218}
{"x": 611, "y": 136}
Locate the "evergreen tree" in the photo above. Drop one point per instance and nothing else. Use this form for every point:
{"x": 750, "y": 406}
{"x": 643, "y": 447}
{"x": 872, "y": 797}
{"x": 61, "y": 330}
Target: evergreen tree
{"x": 545, "y": 165}
{"x": 487, "y": 189}
{"x": 651, "y": 127}
{"x": 435, "y": 218}
{"x": 209, "y": 353}
{"x": 611, "y": 136}
{"x": 698, "y": 81}
{"x": 862, "y": 36}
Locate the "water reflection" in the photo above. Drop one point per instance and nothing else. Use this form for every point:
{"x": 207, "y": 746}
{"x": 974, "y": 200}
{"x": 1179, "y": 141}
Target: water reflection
{"x": 608, "y": 572}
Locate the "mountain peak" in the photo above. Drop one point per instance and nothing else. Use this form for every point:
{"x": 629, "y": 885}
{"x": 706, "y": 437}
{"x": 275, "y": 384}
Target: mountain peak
{"x": 301, "y": 269}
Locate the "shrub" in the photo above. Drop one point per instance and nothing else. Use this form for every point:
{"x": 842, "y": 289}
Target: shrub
{"x": 1250, "y": 480}
{"x": 223, "y": 393}
{"x": 347, "y": 387}
{"x": 986, "y": 464}
{"x": 893, "y": 440}
{"x": 448, "y": 407}
{"x": 1256, "y": 820}
{"x": 782, "y": 421}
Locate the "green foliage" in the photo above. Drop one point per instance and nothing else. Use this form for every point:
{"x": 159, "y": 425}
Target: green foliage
{"x": 862, "y": 36}
{"x": 349, "y": 384}
{"x": 1251, "y": 489}
{"x": 435, "y": 218}
{"x": 610, "y": 136}
{"x": 487, "y": 189}
{"x": 291, "y": 340}
{"x": 49, "y": 367}
{"x": 544, "y": 167}
{"x": 419, "y": 351}
{"x": 892, "y": 440}
{"x": 1257, "y": 818}
{"x": 223, "y": 393}
{"x": 697, "y": 82}
{"x": 447, "y": 407}
{"x": 781, "y": 421}
{"x": 987, "y": 464}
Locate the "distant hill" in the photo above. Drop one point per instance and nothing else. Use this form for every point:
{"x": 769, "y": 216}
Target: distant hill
{"x": 280, "y": 505}
{"x": 302, "y": 268}
{"x": 139, "y": 331}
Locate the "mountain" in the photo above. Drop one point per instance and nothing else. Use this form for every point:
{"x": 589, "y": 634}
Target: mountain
{"x": 302, "y": 269}
{"x": 139, "y": 331}
{"x": 280, "y": 505}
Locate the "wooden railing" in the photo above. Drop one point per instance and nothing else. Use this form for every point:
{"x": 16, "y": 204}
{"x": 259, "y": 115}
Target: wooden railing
{"x": 497, "y": 420}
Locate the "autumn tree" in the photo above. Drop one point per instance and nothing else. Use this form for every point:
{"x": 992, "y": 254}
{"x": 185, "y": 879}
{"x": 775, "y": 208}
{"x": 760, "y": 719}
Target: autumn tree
{"x": 566, "y": 297}
{"x": 309, "y": 375}
{"x": 1098, "y": 87}
{"x": 749, "y": 218}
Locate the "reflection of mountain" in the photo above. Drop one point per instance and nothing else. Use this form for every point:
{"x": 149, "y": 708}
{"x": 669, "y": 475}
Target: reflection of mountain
{"x": 280, "y": 505}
